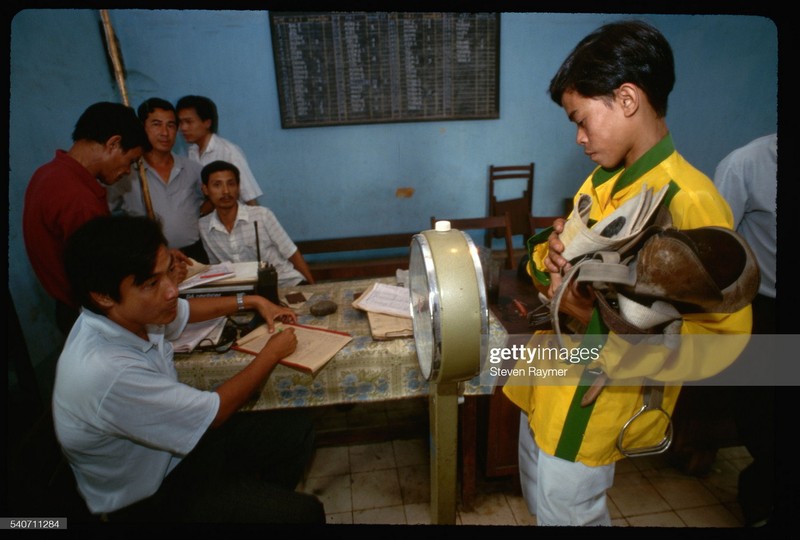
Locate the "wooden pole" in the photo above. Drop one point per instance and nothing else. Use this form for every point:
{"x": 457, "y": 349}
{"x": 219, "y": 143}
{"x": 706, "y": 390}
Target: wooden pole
{"x": 119, "y": 75}
{"x": 113, "y": 53}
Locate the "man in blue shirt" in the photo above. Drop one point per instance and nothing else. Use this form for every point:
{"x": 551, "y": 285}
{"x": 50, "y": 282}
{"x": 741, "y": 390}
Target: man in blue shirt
{"x": 748, "y": 179}
{"x": 142, "y": 445}
{"x": 173, "y": 182}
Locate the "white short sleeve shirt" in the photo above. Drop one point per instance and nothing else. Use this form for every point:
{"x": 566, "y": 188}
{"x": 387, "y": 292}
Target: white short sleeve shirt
{"x": 240, "y": 244}
{"x": 220, "y": 149}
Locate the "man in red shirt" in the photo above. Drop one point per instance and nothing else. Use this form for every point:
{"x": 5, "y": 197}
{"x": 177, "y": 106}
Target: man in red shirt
{"x": 69, "y": 190}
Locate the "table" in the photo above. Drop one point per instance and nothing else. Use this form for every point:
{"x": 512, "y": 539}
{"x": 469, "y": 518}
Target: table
{"x": 364, "y": 370}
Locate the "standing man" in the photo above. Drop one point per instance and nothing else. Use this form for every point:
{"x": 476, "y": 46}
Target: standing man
{"x": 198, "y": 124}
{"x": 143, "y": 446}
{"x": 748, "y": 179}
{"x": 71, "y": 189}
{"x": 228, "y": 233}
{"x": 614, "y": 86}
{"x": 173, "y": 182}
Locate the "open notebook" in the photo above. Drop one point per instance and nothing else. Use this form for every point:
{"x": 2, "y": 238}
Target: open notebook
{"x": 315, "y": 346}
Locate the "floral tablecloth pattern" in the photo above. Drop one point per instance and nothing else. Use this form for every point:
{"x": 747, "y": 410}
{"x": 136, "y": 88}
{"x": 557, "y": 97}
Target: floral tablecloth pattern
{"x": 364, "y": 370}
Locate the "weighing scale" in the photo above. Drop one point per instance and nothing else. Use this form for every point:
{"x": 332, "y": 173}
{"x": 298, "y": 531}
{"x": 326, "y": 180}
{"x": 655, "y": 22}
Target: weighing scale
{"x": 451, "y": 331}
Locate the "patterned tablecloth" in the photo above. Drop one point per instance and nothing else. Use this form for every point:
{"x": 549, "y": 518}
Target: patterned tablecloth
{"x": 364, "y": 370}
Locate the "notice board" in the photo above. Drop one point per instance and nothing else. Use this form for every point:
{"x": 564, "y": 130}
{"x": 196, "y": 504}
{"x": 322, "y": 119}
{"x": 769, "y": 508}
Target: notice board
{"x": 336, "y": 68}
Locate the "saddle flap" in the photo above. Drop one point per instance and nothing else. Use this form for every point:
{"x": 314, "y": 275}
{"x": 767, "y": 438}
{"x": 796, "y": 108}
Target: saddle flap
{"x": 730, "y": 262}
{"x": 709, "y": 269}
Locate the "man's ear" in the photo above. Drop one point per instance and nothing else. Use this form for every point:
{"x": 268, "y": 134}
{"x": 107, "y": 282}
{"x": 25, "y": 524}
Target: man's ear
{"x": 103, "y": 301}
{"x": 628, "y": 98}
{"x": 205, "y": 189}
{"x": 113, "y": 142}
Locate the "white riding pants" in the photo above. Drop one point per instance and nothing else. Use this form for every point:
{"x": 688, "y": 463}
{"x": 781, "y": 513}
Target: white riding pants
{"x": 561, "y": 492}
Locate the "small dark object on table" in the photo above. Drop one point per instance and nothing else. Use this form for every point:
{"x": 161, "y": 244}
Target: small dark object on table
{"x": 322, "y": 308}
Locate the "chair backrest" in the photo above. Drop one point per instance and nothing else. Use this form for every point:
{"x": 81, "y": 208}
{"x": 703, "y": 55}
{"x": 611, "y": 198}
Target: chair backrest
{"x": 490, "y": 224}
{"x": 519, "y": 208}
{"x": 541, "y": 222}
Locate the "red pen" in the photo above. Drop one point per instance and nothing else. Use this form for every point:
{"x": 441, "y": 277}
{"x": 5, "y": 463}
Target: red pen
{"x": 206, "y": 276}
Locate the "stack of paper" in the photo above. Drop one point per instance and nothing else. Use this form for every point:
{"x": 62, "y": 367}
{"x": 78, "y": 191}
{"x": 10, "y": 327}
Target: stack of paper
{"x": 194, "y": 333}
{"x": 389, "y": 327}
{"x": 195, "y": 267}
{"x": 388, "y": 309}
{"x": 244, "y": 272}
{"x": 208, "y": 274}
{"x": 385, "y": 299}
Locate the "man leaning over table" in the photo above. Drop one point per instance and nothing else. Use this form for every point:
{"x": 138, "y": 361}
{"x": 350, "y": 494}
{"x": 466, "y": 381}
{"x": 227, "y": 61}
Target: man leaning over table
{"x": 143, "y": 446}
{"x": 66, "y": 192}
{"x": 229, "y": 232}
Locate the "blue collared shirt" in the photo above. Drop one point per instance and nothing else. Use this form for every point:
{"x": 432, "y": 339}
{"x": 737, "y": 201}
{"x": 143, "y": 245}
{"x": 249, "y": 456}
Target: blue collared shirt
{"x": 122, "y": 418}
{"x": 176, "y": 201}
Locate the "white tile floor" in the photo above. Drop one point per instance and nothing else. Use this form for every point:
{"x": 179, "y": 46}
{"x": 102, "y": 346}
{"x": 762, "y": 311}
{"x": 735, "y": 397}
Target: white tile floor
{"x": 388, "y": 483}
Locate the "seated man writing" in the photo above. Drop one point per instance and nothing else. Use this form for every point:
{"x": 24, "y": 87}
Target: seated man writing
{"x": 229, "y": 232}
{"x": 143, "y": 446}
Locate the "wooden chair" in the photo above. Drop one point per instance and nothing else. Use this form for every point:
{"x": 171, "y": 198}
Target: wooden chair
{"x": 356, "y": 257}
{"x": 519, "y": 208}
{"x": 501, "y": 223}
{"x": 541, "y": 222}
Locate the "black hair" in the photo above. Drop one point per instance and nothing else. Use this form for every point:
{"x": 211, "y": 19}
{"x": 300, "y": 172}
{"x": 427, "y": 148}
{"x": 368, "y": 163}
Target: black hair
{"x": 149, "y": 105}
{"x": 626, "y": 51}
{"x": 107, "y": 249}
{"x": 101, "y": 121}
{"x": 217, "y": 166}
{"x": 203, "y": 106}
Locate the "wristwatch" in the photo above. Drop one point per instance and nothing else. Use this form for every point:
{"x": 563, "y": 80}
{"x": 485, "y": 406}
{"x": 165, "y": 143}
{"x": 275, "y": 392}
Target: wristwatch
{"x": 240, "y": 301}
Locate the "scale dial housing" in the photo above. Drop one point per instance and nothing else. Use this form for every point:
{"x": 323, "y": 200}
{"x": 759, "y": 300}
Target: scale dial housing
{"x": 448, "y": 303}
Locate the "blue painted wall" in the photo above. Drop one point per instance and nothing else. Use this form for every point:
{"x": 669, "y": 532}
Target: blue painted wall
{"x": 341, "y": 181}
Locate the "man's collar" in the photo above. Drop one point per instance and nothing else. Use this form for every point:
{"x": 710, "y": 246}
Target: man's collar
{"x": 147, "y": 161}
{"x": 242, "y": 214}
{"x": 114, "y": 332}
{"x": 91, "y": 181}
{"x": 210, "y": 146}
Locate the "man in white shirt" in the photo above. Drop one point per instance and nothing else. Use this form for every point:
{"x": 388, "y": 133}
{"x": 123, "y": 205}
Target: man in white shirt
{"x": 198, "y": 124}
{"x": 142, "y": 445}
{"x": 229, "y": 232}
